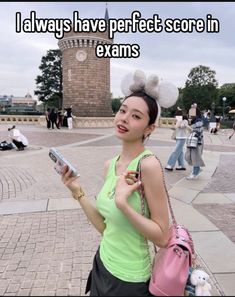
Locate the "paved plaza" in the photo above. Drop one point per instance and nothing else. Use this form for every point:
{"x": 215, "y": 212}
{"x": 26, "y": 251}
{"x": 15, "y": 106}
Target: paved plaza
{"x": 46, "y": 243}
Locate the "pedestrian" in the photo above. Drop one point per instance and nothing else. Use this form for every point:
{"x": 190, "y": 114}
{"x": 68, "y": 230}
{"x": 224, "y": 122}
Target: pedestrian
{"x": 233, "y": 131}
{"x": 53, "y": 119}
{"x": 69, "y": 117}
{"x": 47, "y": 115}
{"x": 182, "y": 128}
{"x": 194, "y": 155}
{"x": 19, "y": 140}
{"x": 59, "y": 118}
{"x": 217, "y": 120}
{"x": 65, "y": 122}
{"x": 206, "y": 119}
{"x": 122, "y": 266}
{"x": 192, "y": 112}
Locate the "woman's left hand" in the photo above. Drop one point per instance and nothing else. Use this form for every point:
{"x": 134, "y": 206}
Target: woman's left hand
{"x": 127, "y": 183}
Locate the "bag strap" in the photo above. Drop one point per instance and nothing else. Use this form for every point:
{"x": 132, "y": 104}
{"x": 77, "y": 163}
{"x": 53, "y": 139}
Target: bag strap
{"x": 169, "y": 203}
{"x": 142, "y": 188}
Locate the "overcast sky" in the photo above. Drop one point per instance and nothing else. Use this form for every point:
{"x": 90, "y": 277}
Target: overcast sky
{"x": 170, "y": 55}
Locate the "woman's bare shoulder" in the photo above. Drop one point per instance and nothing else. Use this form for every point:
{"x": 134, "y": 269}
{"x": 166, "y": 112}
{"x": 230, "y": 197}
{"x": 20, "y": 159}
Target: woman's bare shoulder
{"x": 151, "y": 165}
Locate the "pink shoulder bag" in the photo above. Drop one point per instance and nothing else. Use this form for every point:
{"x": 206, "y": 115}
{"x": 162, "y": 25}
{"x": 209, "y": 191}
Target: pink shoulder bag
{"x": 170, "y": 268}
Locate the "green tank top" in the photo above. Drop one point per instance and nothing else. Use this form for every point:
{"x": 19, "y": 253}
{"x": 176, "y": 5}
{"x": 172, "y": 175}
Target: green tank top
{"x": 123, "y": 250}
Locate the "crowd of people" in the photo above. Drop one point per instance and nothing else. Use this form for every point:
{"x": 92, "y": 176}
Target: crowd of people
{"x": 189, "y": 127}
{"x": 59, "y": 118}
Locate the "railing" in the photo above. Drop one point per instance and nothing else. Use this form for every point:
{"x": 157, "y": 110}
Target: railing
{"x": 19, "y": 119}
{"x": 167, "y": 122}
{"x": 78, "y": 122}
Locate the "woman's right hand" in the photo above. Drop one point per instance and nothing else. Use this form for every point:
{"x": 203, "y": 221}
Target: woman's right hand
{"x": 70, "y": 181}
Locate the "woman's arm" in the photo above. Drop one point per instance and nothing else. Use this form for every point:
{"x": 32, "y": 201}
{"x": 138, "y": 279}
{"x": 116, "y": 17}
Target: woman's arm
{"x": 178, "y": 124}
{"x": 156, "y": 229}
{"x": 88, "y": 207}
{"x": 187, "y": 126}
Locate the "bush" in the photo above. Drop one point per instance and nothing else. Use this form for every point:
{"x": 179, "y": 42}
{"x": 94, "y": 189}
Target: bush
{"x": 116, "y": 103}
{"x": 226, "y": 124}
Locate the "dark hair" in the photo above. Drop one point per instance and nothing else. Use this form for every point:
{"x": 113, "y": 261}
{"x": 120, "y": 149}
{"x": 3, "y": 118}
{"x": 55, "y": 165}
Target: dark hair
{"x": 151, "y": 103}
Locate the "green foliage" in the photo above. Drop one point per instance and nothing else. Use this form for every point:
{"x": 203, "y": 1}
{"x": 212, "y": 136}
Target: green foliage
{"x": 227, "y": 90}
{"x": 49, "y": 83}
{"x": 201, "y": 88}
{"x": 115, "y": 104}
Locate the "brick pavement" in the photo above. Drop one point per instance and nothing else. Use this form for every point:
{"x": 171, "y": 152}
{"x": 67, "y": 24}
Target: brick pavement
{"x": 223, "y": 216}
{"x": 50, "y": 138}
{"x": 44, "y": 253}
{"x": 223, "y": 179}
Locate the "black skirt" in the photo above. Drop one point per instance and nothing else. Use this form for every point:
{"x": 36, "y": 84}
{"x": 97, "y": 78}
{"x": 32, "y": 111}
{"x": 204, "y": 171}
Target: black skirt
{"x": 101, "y": 282}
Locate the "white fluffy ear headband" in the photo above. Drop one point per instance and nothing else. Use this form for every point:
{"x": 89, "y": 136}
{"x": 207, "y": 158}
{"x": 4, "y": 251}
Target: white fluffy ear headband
{"x": 165, "y": 93}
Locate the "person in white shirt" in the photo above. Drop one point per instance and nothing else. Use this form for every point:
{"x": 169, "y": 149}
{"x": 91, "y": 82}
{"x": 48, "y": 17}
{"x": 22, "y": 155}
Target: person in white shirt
{"x": 19, "y": 140}
{"x": 181, "y": 127}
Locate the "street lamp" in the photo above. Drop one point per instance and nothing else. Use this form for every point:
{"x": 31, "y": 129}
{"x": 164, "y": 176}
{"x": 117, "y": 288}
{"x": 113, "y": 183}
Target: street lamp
{"x": 224, "y": 99}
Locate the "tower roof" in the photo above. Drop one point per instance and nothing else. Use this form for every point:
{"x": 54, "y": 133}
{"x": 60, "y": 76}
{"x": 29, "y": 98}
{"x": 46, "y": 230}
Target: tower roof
{"x": 106, "y": 16}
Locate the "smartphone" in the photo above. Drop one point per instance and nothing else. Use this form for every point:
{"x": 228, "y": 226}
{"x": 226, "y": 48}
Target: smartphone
{"x": 60, "y": 161}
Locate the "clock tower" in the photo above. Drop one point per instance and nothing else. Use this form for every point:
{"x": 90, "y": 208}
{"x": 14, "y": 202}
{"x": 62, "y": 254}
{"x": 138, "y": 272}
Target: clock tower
{"x": 86, "y": 78}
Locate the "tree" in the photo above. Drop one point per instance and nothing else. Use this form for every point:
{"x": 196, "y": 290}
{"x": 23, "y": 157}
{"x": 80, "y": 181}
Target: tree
{"x": 201, "y": 88}
{"x": 49, "y": 83}
{"x": 115, "y": 104}
{"x": 227, "y": 90}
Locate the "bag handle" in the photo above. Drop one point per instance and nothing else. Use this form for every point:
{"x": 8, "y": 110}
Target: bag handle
{"x": 142, "y": 188}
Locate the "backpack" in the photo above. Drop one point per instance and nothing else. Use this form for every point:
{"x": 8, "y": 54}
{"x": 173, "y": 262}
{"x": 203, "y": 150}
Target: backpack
{"x": 4, "y": 146}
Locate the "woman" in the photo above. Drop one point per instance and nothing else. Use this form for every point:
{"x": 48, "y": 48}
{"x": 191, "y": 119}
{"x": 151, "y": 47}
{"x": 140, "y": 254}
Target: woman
{"x": 19, "y": 140}
{"x": 194, "y": 155}
{"x": 122, "y": 265}
{"x": 181, "y": 127}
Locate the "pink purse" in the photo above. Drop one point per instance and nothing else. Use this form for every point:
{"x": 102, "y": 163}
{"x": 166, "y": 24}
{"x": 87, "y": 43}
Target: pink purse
{"x": 170, "y": 269}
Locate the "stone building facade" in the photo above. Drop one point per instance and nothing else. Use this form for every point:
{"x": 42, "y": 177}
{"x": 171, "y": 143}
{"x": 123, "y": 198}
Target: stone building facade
{"x": 86, "y": 78}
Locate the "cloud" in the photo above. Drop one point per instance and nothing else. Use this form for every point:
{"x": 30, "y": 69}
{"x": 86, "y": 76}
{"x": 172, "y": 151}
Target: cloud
{"x": 170, "y": 55}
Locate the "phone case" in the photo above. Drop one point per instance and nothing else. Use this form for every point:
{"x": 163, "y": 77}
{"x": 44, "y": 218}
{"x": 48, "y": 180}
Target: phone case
{"x": 60, "y": 161}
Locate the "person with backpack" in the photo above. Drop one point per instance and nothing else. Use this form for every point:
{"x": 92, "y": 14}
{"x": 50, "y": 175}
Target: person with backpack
{"x": 122, "y": 266}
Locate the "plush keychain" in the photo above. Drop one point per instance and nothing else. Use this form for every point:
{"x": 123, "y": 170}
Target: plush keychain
{"x": 200, "y": 279}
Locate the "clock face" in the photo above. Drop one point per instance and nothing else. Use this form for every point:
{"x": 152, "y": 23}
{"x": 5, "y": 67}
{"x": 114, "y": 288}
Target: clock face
{"x": 81, "y": 55}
